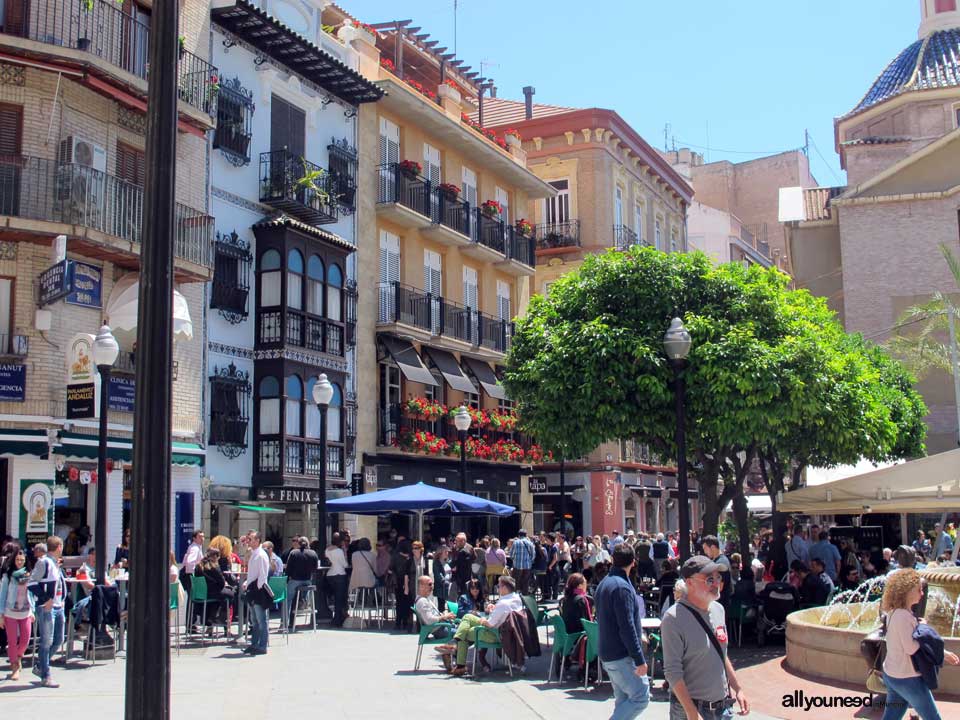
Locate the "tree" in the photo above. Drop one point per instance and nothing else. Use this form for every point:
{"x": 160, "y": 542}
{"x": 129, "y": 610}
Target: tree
{"x": 587, "y": 366}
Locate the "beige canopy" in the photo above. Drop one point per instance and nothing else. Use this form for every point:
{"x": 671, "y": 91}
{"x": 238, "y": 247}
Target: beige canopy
{"x": 930, "y": 484}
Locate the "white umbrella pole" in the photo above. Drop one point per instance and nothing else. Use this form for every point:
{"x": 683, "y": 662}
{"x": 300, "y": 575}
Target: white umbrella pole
{"x": 420, "y": 517}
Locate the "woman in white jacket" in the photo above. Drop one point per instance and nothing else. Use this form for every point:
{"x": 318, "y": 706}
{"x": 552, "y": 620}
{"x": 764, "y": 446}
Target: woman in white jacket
{"x": 16, "y": 608}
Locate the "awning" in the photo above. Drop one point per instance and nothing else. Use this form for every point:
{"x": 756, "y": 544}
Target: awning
{"x": 258, "y": 509}
{"x": 24, "y": 443}
{"x": 121, "y": 308}
{"x": 187, "y": 455}
{"x": 85, "y": 447}
{"x": 407, "y": 359}
{"x": 484, "y": 375}
{"x": 451, "y": 370}
{"x": 930, "y": 484}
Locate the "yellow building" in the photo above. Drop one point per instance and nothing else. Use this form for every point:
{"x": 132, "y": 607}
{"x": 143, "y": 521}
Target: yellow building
{"x": 440, "y": 276}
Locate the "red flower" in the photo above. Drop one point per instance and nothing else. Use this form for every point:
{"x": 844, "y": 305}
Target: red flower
{"x": 514, "y": 132}
{"x": 387, "y": 63}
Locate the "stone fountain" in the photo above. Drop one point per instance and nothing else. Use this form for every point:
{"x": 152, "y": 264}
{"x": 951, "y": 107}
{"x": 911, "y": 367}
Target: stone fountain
{"x": 825, "y": 641}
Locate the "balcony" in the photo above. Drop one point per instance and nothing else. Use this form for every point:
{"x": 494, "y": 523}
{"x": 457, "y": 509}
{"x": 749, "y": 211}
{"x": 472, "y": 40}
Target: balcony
{"x": 110, "y": 209}
{"x": 558, "y": 238}
{"x": 520, "y": 253}
{"x": 451, "y": 220}
{"x": 623, "y": 237}
{"x": 283, "y": 186}
{"x": 290, "y": 456}
{"x": 434, "y": 317}
{"x": 300, "y": 330}
{"x": 103, "y": 30}
{"x": 404, "y": 199}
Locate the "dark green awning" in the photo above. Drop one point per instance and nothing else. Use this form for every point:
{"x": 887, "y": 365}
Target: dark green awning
{"x": 25, "y": 443}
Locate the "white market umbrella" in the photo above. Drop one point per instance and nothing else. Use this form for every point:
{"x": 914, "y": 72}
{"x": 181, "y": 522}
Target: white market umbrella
{"x": 121, "y": 309}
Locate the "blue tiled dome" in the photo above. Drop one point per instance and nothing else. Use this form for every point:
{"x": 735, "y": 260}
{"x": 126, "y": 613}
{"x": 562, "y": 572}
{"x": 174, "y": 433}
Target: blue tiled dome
{"x": 933, "y": 62}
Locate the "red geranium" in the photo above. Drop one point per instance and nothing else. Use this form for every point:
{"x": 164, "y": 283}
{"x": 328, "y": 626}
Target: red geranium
{"x": 388, "y": 64}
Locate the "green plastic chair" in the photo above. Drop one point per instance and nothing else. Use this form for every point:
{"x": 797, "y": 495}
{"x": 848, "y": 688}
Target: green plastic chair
{"x": 174, "y": 608}
{"x": 452, "y": 607}
{"x": 425, "y": 639}
{"x": 592, "y": 631}
{"x": 540, "y": 613}
{"x": 278, "y": 584}
{"x": 480, "y": 636}
{"x": 563, "y": 645}
{"x": 198, "y": 594}
{"x": 740, "y": 615}
{"x": 654, "y": 652}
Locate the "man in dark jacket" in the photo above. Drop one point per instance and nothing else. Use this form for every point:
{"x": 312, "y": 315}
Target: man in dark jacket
{"x": 301, "y": 564}
{"x": 618, "y": 613}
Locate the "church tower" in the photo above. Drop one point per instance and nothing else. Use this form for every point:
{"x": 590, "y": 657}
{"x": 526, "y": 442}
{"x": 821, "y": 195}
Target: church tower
{"x": 938, "y": 15}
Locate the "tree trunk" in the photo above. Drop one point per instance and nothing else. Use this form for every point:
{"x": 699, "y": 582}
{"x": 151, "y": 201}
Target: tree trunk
{"x": 708, "y": 482}
{"x": 773, "y": 481}
{"x": 740, "y": 515}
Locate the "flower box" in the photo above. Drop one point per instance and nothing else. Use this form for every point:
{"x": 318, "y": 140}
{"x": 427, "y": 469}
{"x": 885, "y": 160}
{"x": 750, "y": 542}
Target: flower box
{"x": 524, "y": 228}
{"x": 449, "y": 191}
{"x": 410, "y": 169}
{"x": 491, "y": 209}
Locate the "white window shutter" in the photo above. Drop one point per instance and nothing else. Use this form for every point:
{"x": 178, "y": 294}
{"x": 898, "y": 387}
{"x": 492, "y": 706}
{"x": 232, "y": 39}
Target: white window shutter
{"x": 502, "y": 198}
{"x": 389, "y": 273}
{"x": 389, "y": 142}
{"x": 503, "y": 300}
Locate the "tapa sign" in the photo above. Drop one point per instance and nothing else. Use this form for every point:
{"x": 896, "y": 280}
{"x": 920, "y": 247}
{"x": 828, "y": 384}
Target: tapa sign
{"x": 81, "y": 378}
{"x": 537, "y": 484}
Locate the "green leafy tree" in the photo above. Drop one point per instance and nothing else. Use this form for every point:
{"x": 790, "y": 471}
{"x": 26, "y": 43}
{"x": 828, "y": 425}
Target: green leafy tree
{"x": 587, "y": 366}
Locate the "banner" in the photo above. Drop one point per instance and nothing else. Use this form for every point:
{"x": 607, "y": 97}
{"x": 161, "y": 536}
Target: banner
{"x": 81, "y": 378}
{"x": 36, "y": 511}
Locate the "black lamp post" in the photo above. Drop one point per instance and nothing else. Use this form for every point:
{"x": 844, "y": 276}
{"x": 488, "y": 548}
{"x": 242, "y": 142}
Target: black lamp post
{"x": 322, "y": 395}
{"x": 676, "y": 345}
{"x": 563, "y": 497}
{"x": 105, "y": 352}
{"x": 462, "y": 421}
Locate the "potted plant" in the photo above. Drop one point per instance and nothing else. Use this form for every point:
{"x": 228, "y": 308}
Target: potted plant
{"x": 410, "y": 169}
{"x": 524, "y": 227}
{"x": 491, "y": 209}
{"x": 513, "y": 137}
{"x": 181, "y": 46}
{"x": 387, "y": 64}
{"x": 448, "y": 191}
{"x": 367, "y": 32}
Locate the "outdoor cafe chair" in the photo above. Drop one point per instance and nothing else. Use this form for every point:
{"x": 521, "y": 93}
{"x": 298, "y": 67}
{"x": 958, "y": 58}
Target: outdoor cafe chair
{"x": 452, "y": 607}
{"x": 175, "y": 610}
{"x": 486, "y": 638}
{"x": 278, "y": 584}
{"x": 592, "y": 651}
{"x": 199, "y": 594}
{"x": 563, "y": 645}
{"x": 425, "y": 639}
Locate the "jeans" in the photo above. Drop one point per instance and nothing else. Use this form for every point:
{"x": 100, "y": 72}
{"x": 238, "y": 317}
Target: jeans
{"x": 677, "y": 712}
{"x": 338, "y": 583}
{"x": 258, "y": 627}
{"x": 908, "y": 692}
{"x": 51, "y": 637}
{"x": 18, "y": 637}
{"x": 292, "y": 587}
{"x": 631, "y": 693}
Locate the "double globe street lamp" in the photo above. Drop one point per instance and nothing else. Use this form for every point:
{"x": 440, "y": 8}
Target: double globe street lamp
{"x": 105, "y": 352}
{"x": 322, "y": 395}
{"x": 676, "y": 345}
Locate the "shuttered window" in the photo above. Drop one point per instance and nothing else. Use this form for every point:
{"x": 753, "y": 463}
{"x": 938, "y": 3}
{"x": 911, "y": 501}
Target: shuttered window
{"x": 131, "y": 164}
{"x": 288, "y": 125}
{"x": 11, "y": 129}
{"x": 389, "y": 142}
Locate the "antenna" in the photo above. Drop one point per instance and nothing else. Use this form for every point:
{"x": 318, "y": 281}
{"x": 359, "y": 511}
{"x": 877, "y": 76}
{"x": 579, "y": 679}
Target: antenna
{"x": 456, "y": 7}
{"x": 806, "y": 142}
{"x": 666, "y": 137}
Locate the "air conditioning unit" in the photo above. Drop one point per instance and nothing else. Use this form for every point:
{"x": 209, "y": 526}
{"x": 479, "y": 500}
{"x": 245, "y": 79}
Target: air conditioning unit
{"x": 77, "y": 151}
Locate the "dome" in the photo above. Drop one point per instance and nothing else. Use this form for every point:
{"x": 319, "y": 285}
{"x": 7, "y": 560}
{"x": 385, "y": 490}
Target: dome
{"x": 933, "y": 62}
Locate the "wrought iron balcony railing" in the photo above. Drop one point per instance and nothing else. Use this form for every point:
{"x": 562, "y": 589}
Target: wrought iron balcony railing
{"x": 451, "y": 212}
{"x": 40, "y": 189}
{"x": 623, "y": 237}
{"x": 519, "y": 247}
{"x": 411, "y": 191}
{"x": 104, "y": 29}
{"x": 558, "y": 235}
{"x": 283, "y": 185}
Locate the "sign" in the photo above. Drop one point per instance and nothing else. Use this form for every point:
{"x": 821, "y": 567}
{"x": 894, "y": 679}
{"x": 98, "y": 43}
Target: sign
{"x": 36, "y": 513}
{"x": 537, "y": 484}
{"x": 606, "y": 505}
{"x": 356, "y": 484}
{"x": 120, "y": 393}
{"x": 87, "y": 285}
{"x": 13, "y": 380}
{"x": 81, "y": 401}
{"x": 81, "y": 378}
{"x": 183, "y": 521}
{"x": 292, "y": 496}
{"x": 55, "y": 282}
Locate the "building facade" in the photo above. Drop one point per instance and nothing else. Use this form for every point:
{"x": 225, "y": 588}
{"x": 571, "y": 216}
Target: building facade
{"x": 282, "y": 304}
{"x": 872, "y": 248}
{"x": 72, "y": 164}
{"x": 613, "y": 190}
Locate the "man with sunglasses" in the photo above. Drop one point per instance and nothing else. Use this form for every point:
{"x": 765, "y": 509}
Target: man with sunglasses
{"x": 695, "y": 662}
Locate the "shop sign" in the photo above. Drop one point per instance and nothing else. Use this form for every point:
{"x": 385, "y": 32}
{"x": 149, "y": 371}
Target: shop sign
{"x": 81, "y": 381}
{"x": 293, "y": 496}
{"x": 537, "y": 484}
{"x": 56, "y": 282}
{"x": 87, "y": 285}
{"x": 120, "y": 393}
{"x": 13, "y": 381}
{"x": 36, "y": 512}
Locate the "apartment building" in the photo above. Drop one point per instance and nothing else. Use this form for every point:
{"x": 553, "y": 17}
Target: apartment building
{"x": 282, "y": 304}
{"x": 441, "y": 276}
{"x": 73, "y": 83}
{"x": 613, "y": 190}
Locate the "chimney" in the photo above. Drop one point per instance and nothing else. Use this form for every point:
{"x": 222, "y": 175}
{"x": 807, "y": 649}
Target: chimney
{"x": 528, "y": 92}
{"x": 493, "y": 91}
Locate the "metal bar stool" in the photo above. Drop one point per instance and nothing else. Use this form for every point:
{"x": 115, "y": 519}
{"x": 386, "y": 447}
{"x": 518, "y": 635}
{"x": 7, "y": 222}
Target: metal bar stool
{"x": 307, "y": 593}
{"x": 362, "y": 598}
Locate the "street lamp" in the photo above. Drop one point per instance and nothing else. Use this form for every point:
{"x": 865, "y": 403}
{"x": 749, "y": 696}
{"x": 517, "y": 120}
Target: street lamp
{"x": 676, "y": 345}
{"x": 462, "y": 421}
{"x": 105, "y": 352}
{"x": 322, "y": 395}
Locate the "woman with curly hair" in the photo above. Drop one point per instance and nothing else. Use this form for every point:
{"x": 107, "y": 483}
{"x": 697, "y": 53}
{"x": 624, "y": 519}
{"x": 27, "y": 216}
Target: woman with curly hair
{"x": 905, "y": 686}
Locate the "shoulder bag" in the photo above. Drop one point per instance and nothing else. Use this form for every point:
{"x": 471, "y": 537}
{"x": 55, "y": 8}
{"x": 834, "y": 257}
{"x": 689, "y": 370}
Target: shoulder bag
{"x": 873, "y": 648}
{"x": 728, "y": 700}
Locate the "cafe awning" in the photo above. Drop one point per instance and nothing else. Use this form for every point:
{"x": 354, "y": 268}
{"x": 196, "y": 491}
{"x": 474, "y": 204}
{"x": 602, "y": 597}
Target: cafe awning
{"x": 24, "y": 443}
{"x": 121, "y": 308}
{"x": 74, "y": 446}
{"x": 258, "y": 509}
{"x": 407, "y": 359}
{"x": 486, "y": 377}
{"x": 451, "y": 370}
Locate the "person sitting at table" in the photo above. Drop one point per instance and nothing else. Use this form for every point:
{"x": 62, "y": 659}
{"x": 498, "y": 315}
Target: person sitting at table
{"x": 276, "y": 564}
{"x": 510, "y": 601}
{"x": 121, "y": 557}
{"x": 575, "y": 606}
{"x": 87, "y": 576}
{"x": 428, "y": 614}
{"x": 472, "y": 600}
{"x": 813, "y": 591}
{"x": 218, "y": 592}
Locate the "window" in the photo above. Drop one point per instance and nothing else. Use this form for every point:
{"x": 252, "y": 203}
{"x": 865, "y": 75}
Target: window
{"x": 503, "y": 198}
{"x": 269, "y": 399}
{"x": 956, "y": 116}
{"x": 6, "y": 315}
{"x": 287, "y": 127}
{"x": 638, "y": 222}
{"x": 503, "y": 301}
{"x": 472, "y": 400}
{"x": 234, "y": 122}
{"x": 389, "y": 274}
{"x": 618, "y": 207}
{"x": 673, "y": 240}
{"x": 131, "y": 164}
{"x": 343, "y": 168}
{"x": 312, "y": 412}
{"x": 334, "y": 416}
{"x": 295, "y": 280}
{"x": 557, "y": 209}
{"x": 940, "y": 6}
{"x": 292, "y": 424}
{"x": 658, "y": 241}
{"x": 229, "y": 398}
{"x": 231, "y": 276}
{"x": 389, "y": 142}
{"x": 315, "y": 272}
{"x": 270, "y": 268}
{"x": 11, "y": 135}
{"x": 433, "y": 284}
{"x": 335, "y": 293}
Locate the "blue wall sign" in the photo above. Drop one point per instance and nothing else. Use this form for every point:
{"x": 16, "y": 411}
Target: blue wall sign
{"x": 120, "y": 393}
{"x": 87, "y": 285}
{"x": 183, "y": 521}
{"x": 13, "y": 381}
{"x": 55, "y": 282}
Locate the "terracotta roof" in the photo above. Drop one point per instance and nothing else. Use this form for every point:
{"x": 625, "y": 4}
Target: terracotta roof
{"x": 875, "y": 140}
{"x": 281, "y": 219}
{"x": 498, "y": 111}
{"x": 816, "y": 202}
{"x": 933, "y": 62}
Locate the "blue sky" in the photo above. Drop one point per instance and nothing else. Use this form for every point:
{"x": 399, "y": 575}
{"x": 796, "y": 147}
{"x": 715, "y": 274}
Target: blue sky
{"x": 734, "y": 75}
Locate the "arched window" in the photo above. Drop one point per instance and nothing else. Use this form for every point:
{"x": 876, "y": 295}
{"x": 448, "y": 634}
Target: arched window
{"x": 334, "y": 412}
{"x": 315, "y": 285}
{"x": 270, "y": 267}
{"x": 334, "y": 293}
{"x": 312, "y": 412}
{"x": 294, "y": 402}
{"x": 269, "y": 398}
{"x": 295, "y": 280}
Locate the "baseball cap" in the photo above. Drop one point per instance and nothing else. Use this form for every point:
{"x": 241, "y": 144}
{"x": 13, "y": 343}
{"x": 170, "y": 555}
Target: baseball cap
{"x": 699, "y": 565}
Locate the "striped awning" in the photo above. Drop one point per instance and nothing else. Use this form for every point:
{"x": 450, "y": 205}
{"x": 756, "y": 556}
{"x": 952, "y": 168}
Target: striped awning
{"x": 24, "y": 443}
{"x": 85, "y": 447}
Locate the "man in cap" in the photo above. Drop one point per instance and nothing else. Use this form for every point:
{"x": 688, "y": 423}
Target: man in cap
{"x": 694, "y": 635}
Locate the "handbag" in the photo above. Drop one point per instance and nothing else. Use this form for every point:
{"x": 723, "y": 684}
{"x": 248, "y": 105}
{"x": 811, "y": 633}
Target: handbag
{"x": 873, "y": 648}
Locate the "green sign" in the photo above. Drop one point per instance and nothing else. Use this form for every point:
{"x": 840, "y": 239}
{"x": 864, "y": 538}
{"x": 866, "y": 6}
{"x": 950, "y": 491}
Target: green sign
{"x": 36, "y": 510}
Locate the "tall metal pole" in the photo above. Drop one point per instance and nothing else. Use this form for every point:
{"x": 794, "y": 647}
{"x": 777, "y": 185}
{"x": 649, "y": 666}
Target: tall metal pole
{"x": 100, "y": 537}
{"x": 951, "y": 313}
{"x": 684, "y": 500}
{"x": 463, "y": 461}
{"x": 563, "y": 497}
{"x": 148, "y": 651}
{"x": 322, "y": 500}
